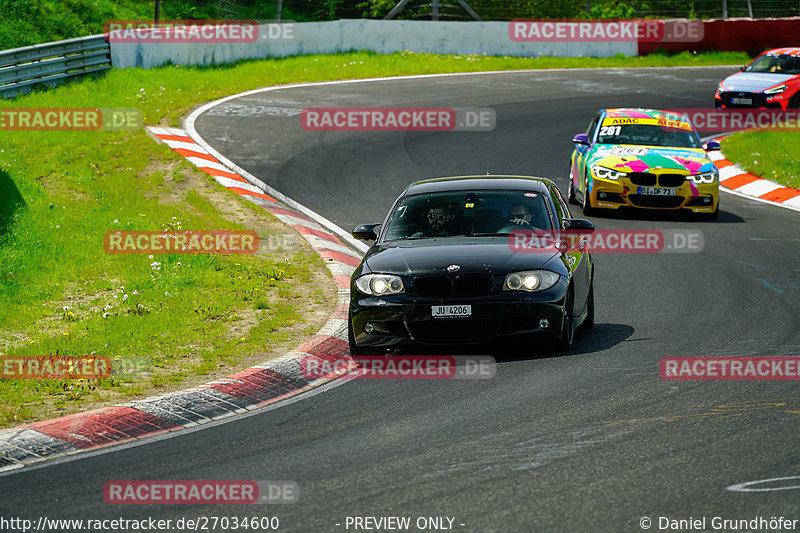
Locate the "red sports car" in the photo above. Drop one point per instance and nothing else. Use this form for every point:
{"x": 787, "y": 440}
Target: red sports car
{"x": 772, "y": 80}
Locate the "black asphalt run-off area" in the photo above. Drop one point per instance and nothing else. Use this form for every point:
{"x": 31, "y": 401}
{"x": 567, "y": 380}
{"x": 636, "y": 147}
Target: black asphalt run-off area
{"x": 589, "y": 441}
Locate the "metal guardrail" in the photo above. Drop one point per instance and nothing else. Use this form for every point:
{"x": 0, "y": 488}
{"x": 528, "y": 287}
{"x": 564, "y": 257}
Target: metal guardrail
{"x": 52, "y": 63}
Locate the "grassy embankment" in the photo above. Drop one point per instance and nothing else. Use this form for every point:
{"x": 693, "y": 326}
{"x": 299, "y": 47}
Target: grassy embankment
{"x": 771, "y": 155}
{"x": 27, "y": 22}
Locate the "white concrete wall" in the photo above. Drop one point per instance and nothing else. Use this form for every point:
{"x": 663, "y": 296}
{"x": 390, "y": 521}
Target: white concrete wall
{"x": 380, "y": 36}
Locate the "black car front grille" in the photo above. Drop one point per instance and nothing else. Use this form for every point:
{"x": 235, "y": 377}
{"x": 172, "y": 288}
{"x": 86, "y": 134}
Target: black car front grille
{"x": 645, "y": 179}
{"x": 473, "y": 285}
{"x": 464, "y": 285}
{"x": 671, "y": 180}
{"x": 433, "y": 286}
{"x": 664, "y": 202}
{"x": 455, "y": 330}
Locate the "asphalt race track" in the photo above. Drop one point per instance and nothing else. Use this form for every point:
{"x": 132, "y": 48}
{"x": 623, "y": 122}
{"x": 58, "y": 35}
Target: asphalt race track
{"x": 590, "y": 441}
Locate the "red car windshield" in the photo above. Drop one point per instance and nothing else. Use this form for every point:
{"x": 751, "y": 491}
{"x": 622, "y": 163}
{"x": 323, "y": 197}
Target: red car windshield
{"x": 775, "y": 64}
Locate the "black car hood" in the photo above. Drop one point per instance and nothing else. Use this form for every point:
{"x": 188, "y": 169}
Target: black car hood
{"x": 473, "y": 255}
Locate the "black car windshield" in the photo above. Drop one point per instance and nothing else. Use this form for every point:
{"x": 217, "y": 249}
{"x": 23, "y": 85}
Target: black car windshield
{"x": 775, "y": 64}
{"x": 470, "y": 213}
{"x": 648, "y": 135}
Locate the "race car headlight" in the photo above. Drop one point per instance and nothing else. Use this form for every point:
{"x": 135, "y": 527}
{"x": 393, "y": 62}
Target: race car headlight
{"x": 705, "y": 177}
{"x": 530, "y": 280}
{"x": 775, "y": 90}
{"x": 720, "y": 88}
{"x": 380, "y": 284}
{"x": 607, "y": 173}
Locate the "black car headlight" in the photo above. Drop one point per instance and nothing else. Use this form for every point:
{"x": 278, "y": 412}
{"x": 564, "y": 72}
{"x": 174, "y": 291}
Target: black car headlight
{"x": 380, "y": 284}
{"x": 607, "y": 173}
{"x": 530, "y": 280}
{"x": 705, "y": 177}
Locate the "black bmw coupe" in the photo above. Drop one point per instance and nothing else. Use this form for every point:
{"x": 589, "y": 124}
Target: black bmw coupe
{"x": 449, "y": 269}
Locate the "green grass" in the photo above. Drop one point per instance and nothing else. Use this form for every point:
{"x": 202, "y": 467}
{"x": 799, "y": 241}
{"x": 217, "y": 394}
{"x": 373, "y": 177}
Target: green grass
{"x": 61, "y": 191}
{"x": 771, "y": 155}
{"x": 27, "y": 22}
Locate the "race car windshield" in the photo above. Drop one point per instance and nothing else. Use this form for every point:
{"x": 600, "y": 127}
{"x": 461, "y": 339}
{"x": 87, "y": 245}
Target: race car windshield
{"x": 467, "y": 213}
{"x": 782, "y": 64}
{"x": 648, "y": 135}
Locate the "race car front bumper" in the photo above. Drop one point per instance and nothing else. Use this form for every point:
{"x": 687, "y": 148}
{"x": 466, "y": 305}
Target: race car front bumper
{"x": 626, "y": 192}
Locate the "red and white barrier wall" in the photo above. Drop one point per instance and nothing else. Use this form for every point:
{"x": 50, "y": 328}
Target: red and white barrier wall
{"x": 736, "y": 35}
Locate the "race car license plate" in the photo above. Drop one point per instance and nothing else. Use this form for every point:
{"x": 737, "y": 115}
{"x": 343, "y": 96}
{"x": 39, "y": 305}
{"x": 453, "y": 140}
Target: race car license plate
{"x": 742, "y": 101}
{"x": 657, "y": 191}
{"x": 451, "y": 311}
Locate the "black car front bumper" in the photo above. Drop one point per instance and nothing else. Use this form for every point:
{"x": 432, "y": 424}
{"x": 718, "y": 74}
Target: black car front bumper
{"x": 402, "y": 321}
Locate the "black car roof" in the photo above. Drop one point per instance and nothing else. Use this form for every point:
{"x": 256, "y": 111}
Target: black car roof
{"x": 457, "y": 183}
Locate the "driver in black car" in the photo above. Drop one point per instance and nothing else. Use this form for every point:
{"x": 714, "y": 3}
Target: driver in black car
{"x": 440, "y": 220}
{"x": 521, "y": 215}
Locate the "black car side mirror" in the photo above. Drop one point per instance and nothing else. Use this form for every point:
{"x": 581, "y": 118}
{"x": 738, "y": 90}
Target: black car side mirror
{"x": 712, "y": 145}
{"x": 581, "y": 138}
{"x": 365, "y": 232}
{"x": 578, "y": 224}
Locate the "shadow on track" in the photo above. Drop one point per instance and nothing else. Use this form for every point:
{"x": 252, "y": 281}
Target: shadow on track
{"x": 602, "y": 337}
{"x": 725, "y": 217}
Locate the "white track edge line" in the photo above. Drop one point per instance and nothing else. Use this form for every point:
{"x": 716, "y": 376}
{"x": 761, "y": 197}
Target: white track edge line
{"x": 267, "y": 189}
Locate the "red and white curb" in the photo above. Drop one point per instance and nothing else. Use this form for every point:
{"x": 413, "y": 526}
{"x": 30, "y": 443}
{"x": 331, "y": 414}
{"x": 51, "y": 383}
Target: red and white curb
{"x": 243, "y": 391}
{"x": 742, "y": 183}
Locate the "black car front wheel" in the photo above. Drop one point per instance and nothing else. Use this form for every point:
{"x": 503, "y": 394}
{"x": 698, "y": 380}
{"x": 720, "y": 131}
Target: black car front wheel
{"x": 567, "y": 337}
{"x": 351, "y": 338}
{"x": 588, "y": 322}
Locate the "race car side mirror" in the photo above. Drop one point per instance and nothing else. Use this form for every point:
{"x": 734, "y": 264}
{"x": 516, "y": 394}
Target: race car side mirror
{"x": 712, "y": 145}
{"x": 581, "y": 138}
{"x": 365, "y": 232}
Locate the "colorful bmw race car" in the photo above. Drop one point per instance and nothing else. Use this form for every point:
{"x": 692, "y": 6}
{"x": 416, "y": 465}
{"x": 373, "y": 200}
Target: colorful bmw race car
{"x": 646, "y": 159}
{"x": 771, "y": 80}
